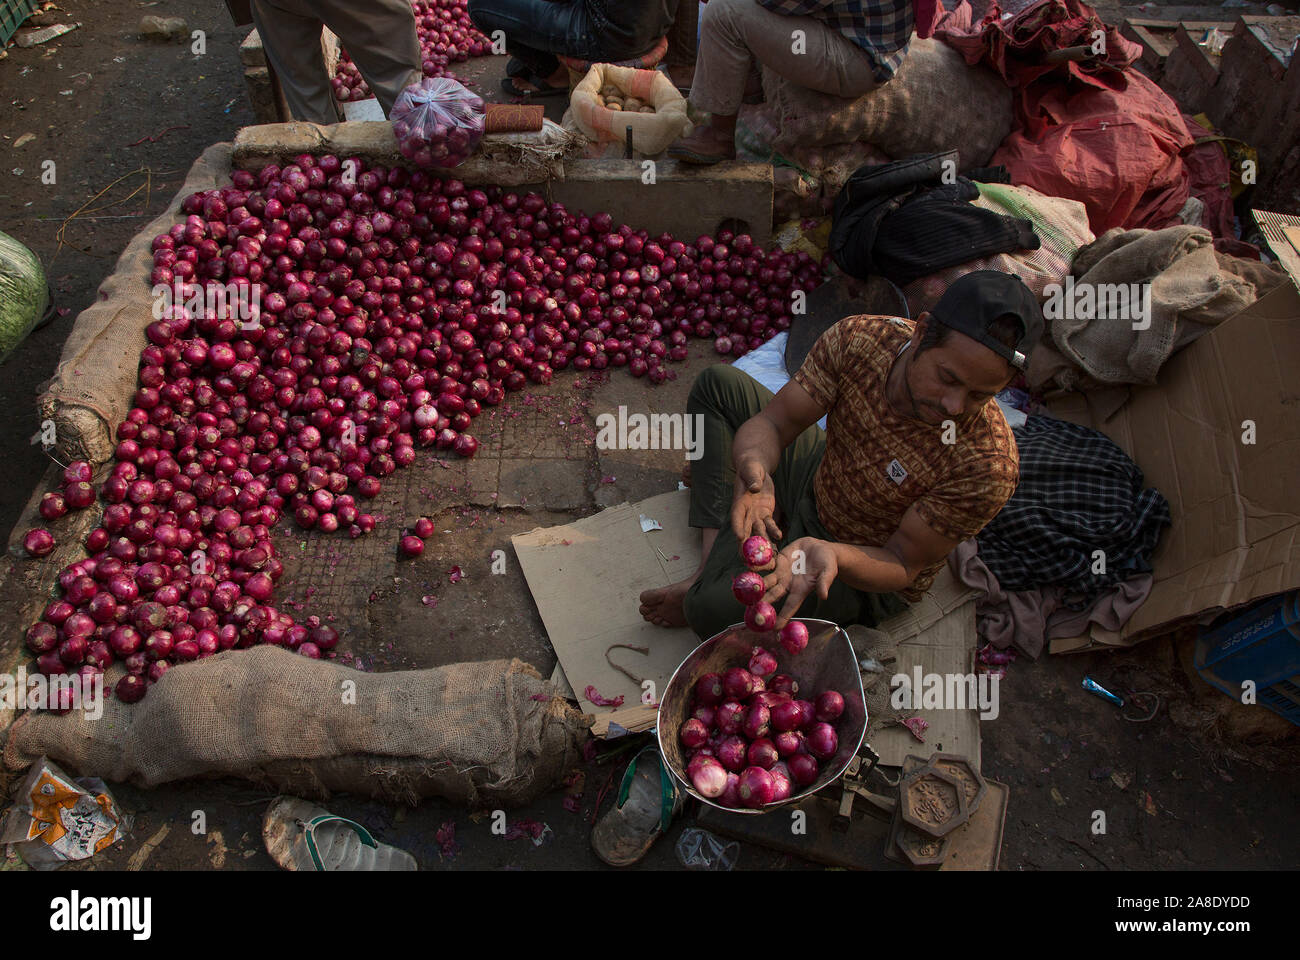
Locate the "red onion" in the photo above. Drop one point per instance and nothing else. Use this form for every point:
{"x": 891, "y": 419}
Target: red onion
{"x": 762, "y": 663}
{"x": 708, "y": 690}
{"x": 822, "y": 741}
{"x": 787, "y": 715}
{"x": 53, "y": 506}
{"x": 761, "y": 618}
{"x": 809, "y": 713}
{"x": 706, "y": 716}
{"x": 411, "y": 546}
{"x": 131, "y": 688}
{"x": 803, "y": 768}
{"x": 42, "y": 637}
{"x": 757, "y": 552}
{"x": 782, "y": 783}
{"x": 762, "y": 753}
{"x": 788, "y": 742}
{"x": 738, "y": 683}
{"x": 708, "y": 777}
{"x": 38, "y": 542}
{"x": 794, "y": 637}
{"x": 755, "y": 788}
{"x": 758, "y": 722}
{"x": 730, "y": 796}
{"x": 79, "y": 495}
{"x": 830, "y": 705}
{"x": 783, "y": 683}
{"x": 693, "y": 733}
{"x": 748, "y": 587}
{"x": 77, "y": 471}
{"x": 730, "y": 715}
{"x": 731, "y": 753}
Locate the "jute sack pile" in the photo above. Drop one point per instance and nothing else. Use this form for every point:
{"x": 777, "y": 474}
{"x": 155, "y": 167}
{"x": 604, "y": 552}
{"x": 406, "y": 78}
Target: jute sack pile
{"x": 488, "y": 733}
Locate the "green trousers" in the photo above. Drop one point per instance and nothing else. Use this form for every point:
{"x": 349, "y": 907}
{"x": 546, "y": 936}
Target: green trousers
{"x": 726, "y": 398}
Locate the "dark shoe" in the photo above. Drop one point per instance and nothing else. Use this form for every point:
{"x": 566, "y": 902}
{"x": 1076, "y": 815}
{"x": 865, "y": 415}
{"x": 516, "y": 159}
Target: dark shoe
{"x": 542, "y": 88}
{"x": 700, "y": 150}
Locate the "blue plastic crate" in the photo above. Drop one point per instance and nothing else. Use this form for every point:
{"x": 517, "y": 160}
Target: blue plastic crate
{"x": 1262, "y": 645}
{"x": 12, "y": 14}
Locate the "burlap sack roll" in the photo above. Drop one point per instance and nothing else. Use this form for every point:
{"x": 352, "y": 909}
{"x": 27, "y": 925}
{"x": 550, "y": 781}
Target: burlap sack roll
{"x": 477, "y": 733}
{"x": 90, "y": 392}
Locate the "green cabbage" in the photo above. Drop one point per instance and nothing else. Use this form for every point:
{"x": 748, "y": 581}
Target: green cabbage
{"x": 23, "y": 294}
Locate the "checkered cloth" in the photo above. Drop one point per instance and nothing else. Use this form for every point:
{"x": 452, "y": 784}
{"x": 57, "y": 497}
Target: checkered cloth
{"x": 882, "y": 28}
{"x": 1078, "y": 493}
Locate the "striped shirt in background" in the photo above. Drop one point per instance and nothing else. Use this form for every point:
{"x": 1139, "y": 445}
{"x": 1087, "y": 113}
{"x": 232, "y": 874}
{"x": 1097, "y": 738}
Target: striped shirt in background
{"x": 882, "y": 28}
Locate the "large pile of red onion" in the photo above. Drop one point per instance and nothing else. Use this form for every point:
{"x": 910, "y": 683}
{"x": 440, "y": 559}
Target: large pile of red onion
{"x": 393, "y": 307}
{"x": 447, "y": 35}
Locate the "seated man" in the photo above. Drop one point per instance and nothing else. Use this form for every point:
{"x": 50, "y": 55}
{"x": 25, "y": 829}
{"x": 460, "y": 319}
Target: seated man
{"x": 841, "y": 47}
{"x": 916, "y": 458}
{"x": 602, "y": 31}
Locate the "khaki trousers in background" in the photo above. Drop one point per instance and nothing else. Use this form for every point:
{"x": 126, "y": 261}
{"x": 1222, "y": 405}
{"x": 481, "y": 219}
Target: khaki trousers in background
{"x": 379, "y": 36}
{"x": 734, "y": 33}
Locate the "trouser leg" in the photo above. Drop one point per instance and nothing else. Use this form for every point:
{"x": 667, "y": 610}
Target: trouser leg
{"x": 291, "y": 40}
{"x": 380, "y": 37}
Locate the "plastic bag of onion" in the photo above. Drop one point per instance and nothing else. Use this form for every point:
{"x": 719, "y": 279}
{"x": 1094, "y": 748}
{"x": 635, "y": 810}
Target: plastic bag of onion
{"x": 473, "y": 733}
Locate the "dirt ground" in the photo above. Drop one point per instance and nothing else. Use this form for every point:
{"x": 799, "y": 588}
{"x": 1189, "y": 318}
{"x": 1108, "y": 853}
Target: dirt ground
{"x": 1188, "y": 789}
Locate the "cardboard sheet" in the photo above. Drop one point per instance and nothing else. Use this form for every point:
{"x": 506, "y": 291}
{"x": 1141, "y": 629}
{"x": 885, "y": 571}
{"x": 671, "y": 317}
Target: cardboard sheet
{"x": 943, "y": 645}
{"x": 1236, "y": 517}
{"x": 586, "y": 576}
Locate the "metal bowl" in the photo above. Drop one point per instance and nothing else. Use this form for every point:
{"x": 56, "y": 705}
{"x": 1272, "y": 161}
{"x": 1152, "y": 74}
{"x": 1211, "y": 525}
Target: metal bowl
{"x": 827, "y": 663}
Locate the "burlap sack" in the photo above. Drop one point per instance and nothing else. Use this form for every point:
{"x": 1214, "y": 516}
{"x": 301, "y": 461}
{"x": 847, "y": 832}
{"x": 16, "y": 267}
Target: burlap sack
{"x": 1061, "y": 225}
{"x": 651, "y": 132}
{"x": 488, "y": 733}
{"x": 935, "y": 102}
{"x": 1190, "y": 295}
{"x": 91, "y": 389}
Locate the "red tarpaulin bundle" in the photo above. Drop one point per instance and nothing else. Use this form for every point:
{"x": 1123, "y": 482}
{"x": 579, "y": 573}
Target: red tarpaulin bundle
{"x": 1095, "y": 131}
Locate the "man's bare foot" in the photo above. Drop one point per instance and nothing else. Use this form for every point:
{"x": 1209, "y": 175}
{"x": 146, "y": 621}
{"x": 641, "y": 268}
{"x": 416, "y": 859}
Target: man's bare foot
{"x": 663, "y": 606}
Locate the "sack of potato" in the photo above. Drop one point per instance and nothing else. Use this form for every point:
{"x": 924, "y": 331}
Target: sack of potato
{"x": 610, "y": 99}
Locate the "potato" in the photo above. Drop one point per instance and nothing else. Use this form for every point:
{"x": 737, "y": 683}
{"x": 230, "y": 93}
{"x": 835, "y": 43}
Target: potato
{"x": 646, "y": 110}
{"x": 609, "y": 90}
{"x": 632, "y": 103}
{"x": 614, "y": 105}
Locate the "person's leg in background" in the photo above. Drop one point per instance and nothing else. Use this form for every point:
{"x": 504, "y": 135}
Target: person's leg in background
{"x": 291, "y": 38}
{"x": 734, "y": 34}
{"x": 535, "y": 31}
{"x": 683, "y": 44}
{"x": 380, "y": 37}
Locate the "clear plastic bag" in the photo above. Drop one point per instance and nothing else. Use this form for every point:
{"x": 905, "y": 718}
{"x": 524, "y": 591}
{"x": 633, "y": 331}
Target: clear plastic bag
{"x": 437, "y": 122}
{"x": 700, "y": 850}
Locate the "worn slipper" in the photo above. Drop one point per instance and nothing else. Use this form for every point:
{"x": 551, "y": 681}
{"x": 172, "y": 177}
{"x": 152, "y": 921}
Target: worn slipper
{"x": 648, "y": 799}
{"x": 517, "y": 68}
{"x": 543, "y": 89}
{"x": 302, "y": 836}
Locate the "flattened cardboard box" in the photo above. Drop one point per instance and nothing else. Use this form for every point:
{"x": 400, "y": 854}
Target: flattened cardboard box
{"x": 1219, "y": 436}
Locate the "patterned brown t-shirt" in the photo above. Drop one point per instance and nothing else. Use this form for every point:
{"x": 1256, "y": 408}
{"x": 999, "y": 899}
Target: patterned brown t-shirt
{"x": 877, "y": 464}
